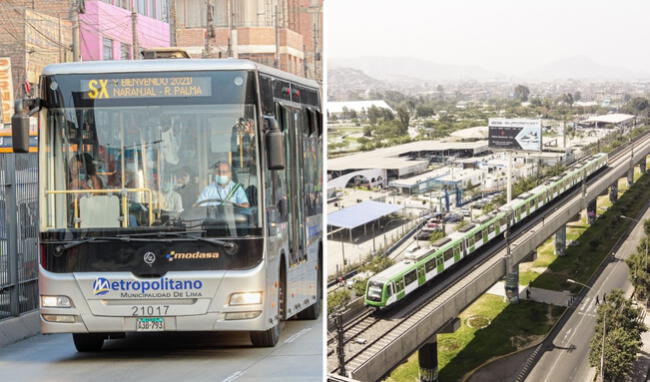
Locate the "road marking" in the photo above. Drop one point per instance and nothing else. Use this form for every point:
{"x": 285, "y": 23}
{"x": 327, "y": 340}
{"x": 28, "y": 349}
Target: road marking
{"x": 602, "y": 283}
{"x": 233, "y": 376}
{"x": 295, "y": 336}
{"x": 584, "y": 304}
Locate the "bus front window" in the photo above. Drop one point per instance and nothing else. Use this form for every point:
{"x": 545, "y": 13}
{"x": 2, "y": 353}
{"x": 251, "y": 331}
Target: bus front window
{"x": 170, "y": 162}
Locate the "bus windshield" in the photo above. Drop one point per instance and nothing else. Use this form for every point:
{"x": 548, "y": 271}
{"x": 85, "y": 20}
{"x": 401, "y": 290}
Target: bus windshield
{"x": 152, "y": 151}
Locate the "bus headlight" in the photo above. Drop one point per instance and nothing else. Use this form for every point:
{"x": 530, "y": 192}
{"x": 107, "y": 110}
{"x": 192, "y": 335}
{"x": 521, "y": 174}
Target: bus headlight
{"x": 56, "y": 302}
{"x": 245, "y": 298}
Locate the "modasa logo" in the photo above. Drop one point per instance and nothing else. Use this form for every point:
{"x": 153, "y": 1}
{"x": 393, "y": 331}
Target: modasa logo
{"x": 101, "y": 286}
{"x": 173, "y": 255}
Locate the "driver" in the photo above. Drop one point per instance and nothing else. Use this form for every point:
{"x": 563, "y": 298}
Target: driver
{"x": 223, "y": 188}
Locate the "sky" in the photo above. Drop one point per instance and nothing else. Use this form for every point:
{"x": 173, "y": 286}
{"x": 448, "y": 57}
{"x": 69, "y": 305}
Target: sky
{"x": 505, "y": 36}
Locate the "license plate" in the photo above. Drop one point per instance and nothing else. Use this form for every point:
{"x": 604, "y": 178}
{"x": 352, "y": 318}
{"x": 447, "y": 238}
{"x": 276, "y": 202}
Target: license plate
{"x": 150, "y": 324}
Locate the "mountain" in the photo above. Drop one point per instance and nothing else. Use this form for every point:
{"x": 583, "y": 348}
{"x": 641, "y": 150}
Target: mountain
{"x": 403, "y": 68}
{"x": 349, "y": 83}
{"x": 582, "y": 68}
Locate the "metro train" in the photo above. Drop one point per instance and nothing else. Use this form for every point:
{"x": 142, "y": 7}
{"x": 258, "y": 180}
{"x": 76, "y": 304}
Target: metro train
{"x": 419, "y": 267}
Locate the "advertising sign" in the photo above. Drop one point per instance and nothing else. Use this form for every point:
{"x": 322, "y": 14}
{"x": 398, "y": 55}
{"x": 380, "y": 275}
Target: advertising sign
{"x": 515, "y": 134}
{"x": 6, "y": 90}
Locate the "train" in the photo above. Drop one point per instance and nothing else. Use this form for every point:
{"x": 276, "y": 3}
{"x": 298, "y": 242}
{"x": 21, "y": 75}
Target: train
{"x": 419, "y": 267}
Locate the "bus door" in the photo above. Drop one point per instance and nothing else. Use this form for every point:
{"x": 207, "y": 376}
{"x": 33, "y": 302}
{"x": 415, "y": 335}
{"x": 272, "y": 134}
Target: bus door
{"x": 292, "y": 120}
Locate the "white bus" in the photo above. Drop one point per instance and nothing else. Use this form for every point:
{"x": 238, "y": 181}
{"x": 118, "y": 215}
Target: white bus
{"x": 176, "y": 195}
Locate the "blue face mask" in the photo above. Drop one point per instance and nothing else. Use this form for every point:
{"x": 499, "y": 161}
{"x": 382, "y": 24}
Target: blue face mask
{"x": 222, "y": 179}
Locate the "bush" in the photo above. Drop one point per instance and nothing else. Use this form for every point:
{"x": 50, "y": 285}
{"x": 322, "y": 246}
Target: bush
{"x": 337, "y": 299}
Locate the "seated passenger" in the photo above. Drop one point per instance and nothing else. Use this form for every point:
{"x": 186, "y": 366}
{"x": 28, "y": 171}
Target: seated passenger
{"x": 170, "y": 200}
{"x": 186, "y": 187}
{"x": 82, "y": 174}
{"x": 223, "y": 188}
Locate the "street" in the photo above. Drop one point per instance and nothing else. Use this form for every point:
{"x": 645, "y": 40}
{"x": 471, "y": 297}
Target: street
{"x": 568, "y": 359}
{"x": 170, "y": 357}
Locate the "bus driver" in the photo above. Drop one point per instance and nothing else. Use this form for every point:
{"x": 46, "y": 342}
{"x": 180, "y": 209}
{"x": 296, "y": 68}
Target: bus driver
{"x": 223, "y": 188}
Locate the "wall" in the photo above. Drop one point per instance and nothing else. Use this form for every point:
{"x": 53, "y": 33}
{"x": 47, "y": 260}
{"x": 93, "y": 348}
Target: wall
{"x": 105, "y": 20}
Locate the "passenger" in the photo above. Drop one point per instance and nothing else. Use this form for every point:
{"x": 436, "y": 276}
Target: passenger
{"x": 82, "y": 174}
{"x": 223, "y": 188}
{"x": 186, "y": 188}
{"x": 170, "y": 200}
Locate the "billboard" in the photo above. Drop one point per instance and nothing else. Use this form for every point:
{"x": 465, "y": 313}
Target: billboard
{"x": 515, "y": 134}
{"x": 6, "y": 89}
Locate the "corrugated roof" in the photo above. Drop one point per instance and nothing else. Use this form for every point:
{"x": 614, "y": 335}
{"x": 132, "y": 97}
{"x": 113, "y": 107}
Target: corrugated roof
{"x": 360, "y": 214}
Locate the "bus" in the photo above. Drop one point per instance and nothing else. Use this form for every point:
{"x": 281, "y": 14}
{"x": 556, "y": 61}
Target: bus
{"x": 176, "y": 195}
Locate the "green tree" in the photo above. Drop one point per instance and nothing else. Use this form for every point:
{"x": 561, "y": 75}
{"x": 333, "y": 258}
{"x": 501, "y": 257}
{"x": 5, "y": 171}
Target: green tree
{"x": 567, "y": 99}
{"x": 404, "y": 119}
{"x": 521, "y": 93}
{"x": 374, "y": 114}
{"x": 424, "y": 111}
{"x": 577, "y": 96}
{"x": 640, "y": 105}
{"x": 621, "y": 323}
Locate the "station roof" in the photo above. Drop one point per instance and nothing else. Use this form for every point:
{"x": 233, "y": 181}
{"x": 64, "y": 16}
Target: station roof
{"x": 609, "y": 118}
{"x": 360, "y": 214}
{"x": 336, "y": 107}
{"x": 395, "y": 157}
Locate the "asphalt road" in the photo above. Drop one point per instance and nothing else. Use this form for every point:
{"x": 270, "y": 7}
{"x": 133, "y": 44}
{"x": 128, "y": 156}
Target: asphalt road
{"x": 567, "y": 360}
{"x": 175, "y": 357}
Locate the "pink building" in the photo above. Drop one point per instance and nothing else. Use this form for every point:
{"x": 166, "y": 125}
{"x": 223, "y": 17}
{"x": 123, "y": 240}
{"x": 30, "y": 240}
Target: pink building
{"x": 106, "y": 28}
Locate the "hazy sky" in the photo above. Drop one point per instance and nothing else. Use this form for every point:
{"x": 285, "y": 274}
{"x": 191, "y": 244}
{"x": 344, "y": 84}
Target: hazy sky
{"x": 499, "y": 35}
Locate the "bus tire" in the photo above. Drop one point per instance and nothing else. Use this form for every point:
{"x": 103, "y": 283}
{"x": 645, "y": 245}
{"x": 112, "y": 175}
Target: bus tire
{"x": 88, "y": 342}
{"x": 266, "y": 338}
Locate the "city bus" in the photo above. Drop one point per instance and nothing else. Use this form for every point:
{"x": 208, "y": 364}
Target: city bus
{"x": 176, "y": 195}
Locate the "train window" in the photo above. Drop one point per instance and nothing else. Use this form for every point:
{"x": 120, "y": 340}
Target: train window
{"x": 410, "y": 277}
{"x": 448, "y": 254}
{"x": 389, "y": 290}
{"x": 462, "y": 245}
{"x": 478, "y": 236}
{"x": 430, "y": 265}
{"x": 491, "y": 228}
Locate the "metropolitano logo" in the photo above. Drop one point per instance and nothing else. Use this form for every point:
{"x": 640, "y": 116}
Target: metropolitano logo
{"x": 101, "y": 286}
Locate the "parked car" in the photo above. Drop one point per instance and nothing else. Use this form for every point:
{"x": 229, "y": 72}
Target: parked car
{"x": 423, "y": 235}
{"x": 453, "y": 218}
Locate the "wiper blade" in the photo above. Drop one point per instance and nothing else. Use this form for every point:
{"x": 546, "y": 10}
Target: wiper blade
{"x": 72, "y": 244}
{"x": 183, "y": 235}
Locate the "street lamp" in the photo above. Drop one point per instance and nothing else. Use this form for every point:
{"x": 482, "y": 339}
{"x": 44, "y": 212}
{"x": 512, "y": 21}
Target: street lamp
{"x": 645, "y": 259}
{"x": 602, "y": 348}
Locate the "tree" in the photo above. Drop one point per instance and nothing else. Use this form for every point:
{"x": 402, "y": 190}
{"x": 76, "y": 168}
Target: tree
{"x": 424, "y": 111}
{"x": 404, "y": 119}
{"x": 521, "y": 93}
{"x": 567, "y": 99}
{"x": 577, "y": 96}
{"x": 374, "y": 114}
{"x": 622, "y": 325}
{"x": 640, "y": 105}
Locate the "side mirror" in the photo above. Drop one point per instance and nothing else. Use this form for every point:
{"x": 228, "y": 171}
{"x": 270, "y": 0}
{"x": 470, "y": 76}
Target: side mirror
{"x": 275, "y": 147}
{"x": 20, "y": 129}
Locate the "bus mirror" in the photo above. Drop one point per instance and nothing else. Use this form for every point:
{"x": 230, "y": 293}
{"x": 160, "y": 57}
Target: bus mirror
{"x": 274, "y": 144}
{"x": 20, "y": 129}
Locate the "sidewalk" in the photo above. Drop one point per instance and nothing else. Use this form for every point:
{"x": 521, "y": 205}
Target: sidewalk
{"x": 641, "y": 366}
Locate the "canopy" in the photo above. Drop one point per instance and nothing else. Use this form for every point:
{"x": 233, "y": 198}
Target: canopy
{"x": 360, "y": 214}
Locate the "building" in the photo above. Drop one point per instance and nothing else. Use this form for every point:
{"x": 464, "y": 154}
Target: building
{"x": 280, "y": 33}
{"x": 32, "y": 37}
{"x": 106, "y": 29}
{"x": 614, "y": 120}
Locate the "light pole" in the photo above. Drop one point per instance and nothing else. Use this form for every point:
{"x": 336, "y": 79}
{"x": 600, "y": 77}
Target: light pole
{"x": 602, "y": 346}
{"x": 645, "y": 259}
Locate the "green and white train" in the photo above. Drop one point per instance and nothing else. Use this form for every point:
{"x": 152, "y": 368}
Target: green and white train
{"x": 417, "y": 268}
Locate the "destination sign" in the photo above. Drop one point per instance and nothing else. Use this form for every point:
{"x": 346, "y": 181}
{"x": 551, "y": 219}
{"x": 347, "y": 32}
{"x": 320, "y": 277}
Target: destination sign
{"x": 146, "y": 87}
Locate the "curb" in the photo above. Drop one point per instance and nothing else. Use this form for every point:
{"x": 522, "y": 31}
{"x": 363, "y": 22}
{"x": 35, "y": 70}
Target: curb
{"x": 18, "y": 328}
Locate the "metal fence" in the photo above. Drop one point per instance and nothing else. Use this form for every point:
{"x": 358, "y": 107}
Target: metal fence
{"x": 18, "y": 234}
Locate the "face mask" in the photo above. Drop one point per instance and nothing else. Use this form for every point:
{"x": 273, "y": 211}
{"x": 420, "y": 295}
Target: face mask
{"x": 222, "y": 179}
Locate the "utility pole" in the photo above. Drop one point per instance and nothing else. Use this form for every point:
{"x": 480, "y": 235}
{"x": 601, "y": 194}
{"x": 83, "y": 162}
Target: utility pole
{"x": 74, "y": 18}
{"x": 276, "y": 62}
{"x": 134, "y": 33}
{"x": 209, "y": 31}
{"x": 340, "y": 342}
{"x": 172, "y": 22}
{"x": 229, "y": 52}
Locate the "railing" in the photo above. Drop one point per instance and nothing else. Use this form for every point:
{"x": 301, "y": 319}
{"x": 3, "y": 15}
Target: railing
{"x": 18, "y": 234}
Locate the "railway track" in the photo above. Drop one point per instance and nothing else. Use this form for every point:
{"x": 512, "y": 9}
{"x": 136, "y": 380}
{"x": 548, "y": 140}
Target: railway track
{"x": 381, "y": 328}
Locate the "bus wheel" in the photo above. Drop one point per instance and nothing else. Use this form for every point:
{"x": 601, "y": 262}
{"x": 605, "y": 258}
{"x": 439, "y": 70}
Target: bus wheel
{"x": 266, "y": 338}
{"x": 88, "y": 342}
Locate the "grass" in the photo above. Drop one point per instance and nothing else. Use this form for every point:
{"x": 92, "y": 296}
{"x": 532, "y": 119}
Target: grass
{"x": 512, "y": 327}
{"x": 594, "y": 242}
